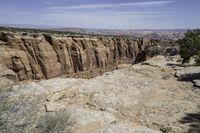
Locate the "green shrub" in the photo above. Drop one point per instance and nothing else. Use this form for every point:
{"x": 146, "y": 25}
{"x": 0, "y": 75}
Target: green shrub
{"x": 190, "y": 45}
{"x": 58, "y": 122}
{"x": 198, "y": 58}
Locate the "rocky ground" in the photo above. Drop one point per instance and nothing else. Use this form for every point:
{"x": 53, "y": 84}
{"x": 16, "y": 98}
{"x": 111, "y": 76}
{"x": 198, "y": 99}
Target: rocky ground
{"x": 158, "y": 95}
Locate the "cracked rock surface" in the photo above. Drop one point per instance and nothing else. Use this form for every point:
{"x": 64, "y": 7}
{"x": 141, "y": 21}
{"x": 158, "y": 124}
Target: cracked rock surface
{"x": 142, "y": 98}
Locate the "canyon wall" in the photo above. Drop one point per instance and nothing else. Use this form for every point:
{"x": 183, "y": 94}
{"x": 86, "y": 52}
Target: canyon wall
{"x": 37, "y": 56}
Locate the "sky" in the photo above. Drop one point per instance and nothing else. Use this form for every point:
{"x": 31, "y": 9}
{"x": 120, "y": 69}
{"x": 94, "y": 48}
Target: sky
{"x": 104, "y": 14}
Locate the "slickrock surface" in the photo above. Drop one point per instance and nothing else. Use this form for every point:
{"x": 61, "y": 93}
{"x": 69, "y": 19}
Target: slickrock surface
{"x": 33, "y": 56}
{"x": 143, "y": 98}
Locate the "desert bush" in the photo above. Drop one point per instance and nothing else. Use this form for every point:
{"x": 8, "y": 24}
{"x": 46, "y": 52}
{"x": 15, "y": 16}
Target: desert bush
{"x": 198, "y": 58}
{"x": 165, "y": 130}
{"x": 190, "y": 45}
{"x": 58, "y": 122}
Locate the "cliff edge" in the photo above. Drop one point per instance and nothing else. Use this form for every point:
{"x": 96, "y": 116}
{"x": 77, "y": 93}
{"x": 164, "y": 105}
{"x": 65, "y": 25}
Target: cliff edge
{"x": 43, "y": 56}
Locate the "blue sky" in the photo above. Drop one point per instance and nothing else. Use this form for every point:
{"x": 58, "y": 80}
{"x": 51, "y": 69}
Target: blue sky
{"x": 112, "y": 14}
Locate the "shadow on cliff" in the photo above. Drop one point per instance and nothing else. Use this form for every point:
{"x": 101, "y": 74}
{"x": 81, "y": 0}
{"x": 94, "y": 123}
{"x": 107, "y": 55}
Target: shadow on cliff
{"x": 175, "y": 65}
{"x": 141, "y": 57}
{"x": 193, "y": 120}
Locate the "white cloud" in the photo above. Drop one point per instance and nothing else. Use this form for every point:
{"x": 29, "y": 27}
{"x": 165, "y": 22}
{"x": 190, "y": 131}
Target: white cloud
{"x": 100, "y": 6}
{"x": 99, "y": 19}
{"x": 102, "y": 15}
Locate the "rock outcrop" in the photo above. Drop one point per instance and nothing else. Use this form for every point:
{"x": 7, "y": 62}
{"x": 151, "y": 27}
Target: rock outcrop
{"x": 33, "y": 56}
{"x": 189, "y": 73}
{"x": 142, "y": 98}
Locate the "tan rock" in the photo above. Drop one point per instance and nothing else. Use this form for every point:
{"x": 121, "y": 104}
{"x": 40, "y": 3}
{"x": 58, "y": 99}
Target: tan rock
{"x": 39, "y": 56}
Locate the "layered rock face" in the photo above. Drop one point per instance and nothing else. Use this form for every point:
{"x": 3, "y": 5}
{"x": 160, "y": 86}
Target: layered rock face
{"x": 44, "y": 56}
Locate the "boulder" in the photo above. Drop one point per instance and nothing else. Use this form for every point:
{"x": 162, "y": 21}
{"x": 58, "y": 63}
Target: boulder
{"x": 189, "y": 73}
{"x": 7, "y": 73}
{"x": 196, "y": 83}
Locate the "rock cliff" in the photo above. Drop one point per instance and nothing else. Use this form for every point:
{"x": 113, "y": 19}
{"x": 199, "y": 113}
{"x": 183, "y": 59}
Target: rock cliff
{"x": 39, "y": 56}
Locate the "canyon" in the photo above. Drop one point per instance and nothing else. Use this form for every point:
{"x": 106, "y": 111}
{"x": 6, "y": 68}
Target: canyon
{"x": 43, "y": 56}
{"x": 95, "y": 84}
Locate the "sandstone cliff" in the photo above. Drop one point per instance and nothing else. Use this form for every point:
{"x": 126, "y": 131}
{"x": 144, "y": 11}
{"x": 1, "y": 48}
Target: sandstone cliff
{"x": 39, "y": 56}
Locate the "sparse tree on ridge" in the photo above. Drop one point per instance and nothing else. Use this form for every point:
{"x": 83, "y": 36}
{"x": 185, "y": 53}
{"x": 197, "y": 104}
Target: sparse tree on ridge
{"x": 190, "y": 45}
